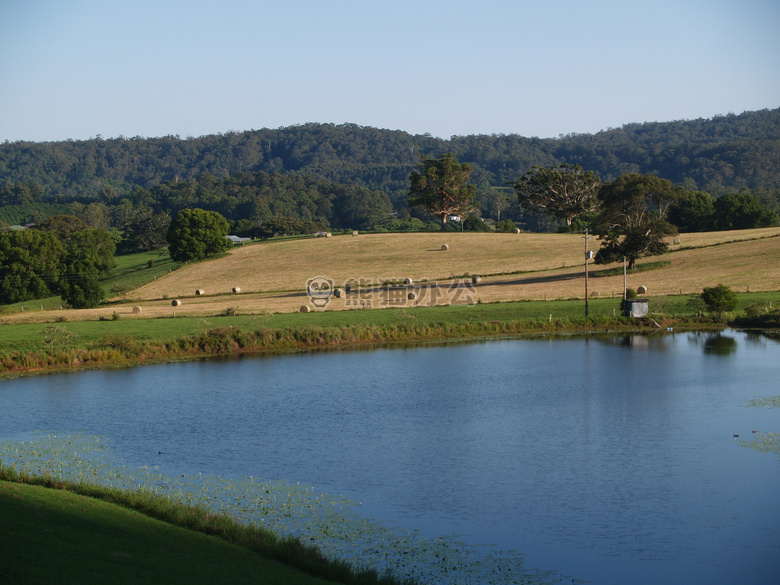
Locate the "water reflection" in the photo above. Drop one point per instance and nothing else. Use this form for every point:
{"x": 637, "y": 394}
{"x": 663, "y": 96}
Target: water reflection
{"x": 723, "y": 343}
{"x": 715, "y": 342}
{"x": 655, "y": 341}
{"x": 720, "y": 344}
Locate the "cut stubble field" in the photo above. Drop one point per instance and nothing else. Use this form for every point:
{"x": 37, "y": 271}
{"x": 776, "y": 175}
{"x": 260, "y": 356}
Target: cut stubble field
{"x": 272, "y": 276}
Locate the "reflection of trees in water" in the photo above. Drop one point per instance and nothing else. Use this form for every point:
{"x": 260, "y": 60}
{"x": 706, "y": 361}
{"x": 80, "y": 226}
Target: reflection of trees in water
{"x": 761, "y": 337}
{"x": 653, "y": 341}
{"x": 714, "y": 342}
{"x": 721, "y": 343}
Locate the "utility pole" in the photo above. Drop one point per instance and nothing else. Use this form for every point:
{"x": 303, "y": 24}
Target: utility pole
{"x": 588, "y": 256}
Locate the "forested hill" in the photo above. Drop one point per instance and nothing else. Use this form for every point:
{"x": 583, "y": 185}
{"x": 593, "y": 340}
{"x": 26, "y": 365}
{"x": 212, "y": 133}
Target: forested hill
{"x": 725, "y": 154}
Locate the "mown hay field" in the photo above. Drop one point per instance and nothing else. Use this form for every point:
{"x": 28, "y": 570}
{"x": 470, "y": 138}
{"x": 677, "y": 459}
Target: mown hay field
{"x": 272, "y": 276}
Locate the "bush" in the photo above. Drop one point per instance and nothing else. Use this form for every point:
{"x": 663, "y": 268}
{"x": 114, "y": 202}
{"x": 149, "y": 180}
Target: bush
{"x": 506, "y": 226}
{"x": 719, "y": 299}
{"x": 126, "y": 344}
{"x": 475, "y": 224}
{"x": 759, "y": 318}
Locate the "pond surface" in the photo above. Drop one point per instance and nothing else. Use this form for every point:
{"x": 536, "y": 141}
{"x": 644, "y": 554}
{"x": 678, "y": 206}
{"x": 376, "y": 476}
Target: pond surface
{"x": 612, "y": 460}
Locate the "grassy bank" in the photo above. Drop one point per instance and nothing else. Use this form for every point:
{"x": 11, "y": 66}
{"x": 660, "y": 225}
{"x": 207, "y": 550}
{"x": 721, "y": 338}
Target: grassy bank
{"x": 84, "y": 533}
{"x": 38, "y": 347}
{"x": 518, "y": 276}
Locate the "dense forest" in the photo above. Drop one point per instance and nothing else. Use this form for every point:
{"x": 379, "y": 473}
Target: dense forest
{"x": 350, "y": 176}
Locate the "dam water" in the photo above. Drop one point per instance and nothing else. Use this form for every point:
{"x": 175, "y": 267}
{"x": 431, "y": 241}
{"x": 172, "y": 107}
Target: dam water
{"x": 611, "y": 460}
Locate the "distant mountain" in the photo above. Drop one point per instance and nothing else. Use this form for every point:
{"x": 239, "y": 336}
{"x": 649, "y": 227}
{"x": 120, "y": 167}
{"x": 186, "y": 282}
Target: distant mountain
{"x": 724, "y": 154}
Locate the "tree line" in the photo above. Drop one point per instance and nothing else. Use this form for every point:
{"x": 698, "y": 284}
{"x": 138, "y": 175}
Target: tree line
{"x": 62, "y": 256}
{"x": 92, "y": 198}
{"x": 725, "y": 154}
{"x": 632, "y": 214}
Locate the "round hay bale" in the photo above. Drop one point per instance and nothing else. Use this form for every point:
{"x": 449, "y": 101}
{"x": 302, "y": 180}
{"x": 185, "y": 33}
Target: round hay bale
{"x": 595, "y": 294}
{"x": 176, "y": 303}
{"x": 475, "y": 279}
{"x": 354, "y": 232}
{"x": 445, "y": 247}
{"x": 305, "y": 309}
{"x": 676, "y": 241}
{"x": 408, "y": 281}
{"x": 641, "y": 290}
{"x": 516, "y": 230}
{"x": 236, "y": 290}
{"x": 200, "y": 291}
{"x": 328, "y": 235}
{"x": 338, "y": 293}
{"x": 136, "y": 310}
{"x": 411, "y": 296}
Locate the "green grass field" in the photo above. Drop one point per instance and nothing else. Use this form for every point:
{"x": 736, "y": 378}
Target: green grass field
{"x": 82, "y": 334}
{"x": 56, "y": 536}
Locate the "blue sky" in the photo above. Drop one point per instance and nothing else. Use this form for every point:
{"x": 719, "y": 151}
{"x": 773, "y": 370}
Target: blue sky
{"x": 81, "y": 68}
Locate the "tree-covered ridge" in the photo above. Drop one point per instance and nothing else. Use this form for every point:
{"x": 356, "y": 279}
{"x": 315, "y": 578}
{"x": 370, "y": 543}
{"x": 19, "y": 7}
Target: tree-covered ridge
{"x": 719, "y": 155}
{"x": 252, "y": 197}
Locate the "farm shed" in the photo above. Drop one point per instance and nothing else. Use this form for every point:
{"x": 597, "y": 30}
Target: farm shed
{"x": 636, "y": 308}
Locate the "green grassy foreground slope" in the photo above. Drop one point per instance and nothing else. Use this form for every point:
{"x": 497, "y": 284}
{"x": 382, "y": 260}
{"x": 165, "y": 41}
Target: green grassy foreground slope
{"x": 58, "y": 536}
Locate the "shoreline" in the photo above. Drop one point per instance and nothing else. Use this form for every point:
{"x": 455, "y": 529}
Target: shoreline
{"x": 235, "y": 342}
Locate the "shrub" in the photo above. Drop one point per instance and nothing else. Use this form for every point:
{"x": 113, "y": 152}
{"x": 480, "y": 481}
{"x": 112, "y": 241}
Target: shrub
{"x": 719, "y": 299}
{"x": 126, "y": 344}
{"x": 761, "y": 319}
{"x": 506, "y": 226}
{"x": 475, "y": 224}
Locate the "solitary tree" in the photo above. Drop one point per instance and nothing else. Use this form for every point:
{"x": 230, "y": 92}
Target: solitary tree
{"x": 719, "y": 299}
{"x": 562, "y": 191}
{"x": 196, "y": 234}
{"x": 633, "y": 221}
{"x": 441, "y": 187}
